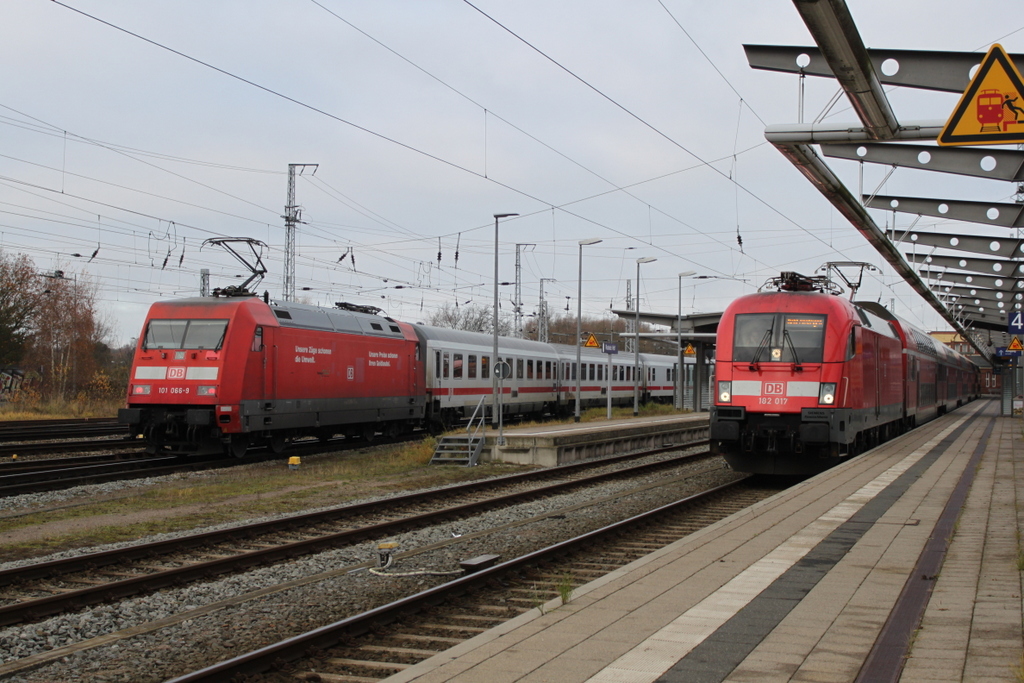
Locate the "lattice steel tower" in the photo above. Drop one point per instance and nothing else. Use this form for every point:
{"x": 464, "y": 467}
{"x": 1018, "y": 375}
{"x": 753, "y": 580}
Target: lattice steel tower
{"x": 291, "y": 219}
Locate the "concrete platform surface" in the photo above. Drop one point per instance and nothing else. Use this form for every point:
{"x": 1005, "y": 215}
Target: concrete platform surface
{"x": 558, "y": 444}
{"x": 799, "y": 586}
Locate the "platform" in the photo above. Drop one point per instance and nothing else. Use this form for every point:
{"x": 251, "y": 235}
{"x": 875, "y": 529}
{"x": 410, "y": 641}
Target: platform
{"x": 806, "y": 585}
{"x": 550, "y": 445}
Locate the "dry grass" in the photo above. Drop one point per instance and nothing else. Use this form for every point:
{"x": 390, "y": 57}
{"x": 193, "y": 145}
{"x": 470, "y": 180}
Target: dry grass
{"x": 68, "y": 409}
{"x": 233, "y": 494}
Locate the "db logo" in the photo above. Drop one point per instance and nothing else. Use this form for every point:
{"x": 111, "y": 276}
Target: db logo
{"x": 175, "y": 373}
{"x": 350, "y": 373}
{"x": 774, "y": 388}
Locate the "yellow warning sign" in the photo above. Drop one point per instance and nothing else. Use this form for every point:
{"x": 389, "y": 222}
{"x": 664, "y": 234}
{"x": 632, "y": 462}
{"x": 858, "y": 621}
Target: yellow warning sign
{"x": 689, "y": 350}
{"x": 991, "y": 110}
{"x": 1015, "y": 345}
{"x": 592, "y": 343}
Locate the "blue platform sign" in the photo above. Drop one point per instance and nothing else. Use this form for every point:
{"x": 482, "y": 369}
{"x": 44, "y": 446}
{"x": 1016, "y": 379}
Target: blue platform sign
{"x": 1015, "y": 323}
{"x": 609, "y": 347}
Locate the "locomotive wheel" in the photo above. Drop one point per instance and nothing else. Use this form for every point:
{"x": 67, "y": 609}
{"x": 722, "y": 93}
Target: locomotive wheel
{"x": 277, "y": 443}
{"x": 369, "y": 432}
{"x": 239, "y": 444}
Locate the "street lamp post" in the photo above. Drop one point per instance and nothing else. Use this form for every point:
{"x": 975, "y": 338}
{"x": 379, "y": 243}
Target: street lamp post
{"x": 679, "y": 342}
{"x": 494, "y": 358}
{"x": 579, "y": 323}
{"x": 636, "y": 350}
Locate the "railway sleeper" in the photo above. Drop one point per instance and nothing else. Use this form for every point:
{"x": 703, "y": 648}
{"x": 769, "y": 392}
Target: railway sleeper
{"x": 443, "y": 641}
{"x": 411, "y": 651}
{"x": 368, "y": 664}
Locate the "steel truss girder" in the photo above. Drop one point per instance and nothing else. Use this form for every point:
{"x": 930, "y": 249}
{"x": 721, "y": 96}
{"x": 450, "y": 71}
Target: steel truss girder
{"x": 984, "y": 281}
{"x": 977, "y": 295}
{"x": 1003, "y": 164}
{"x": 999, "y": 214}
{"x": 922, "y": 69}
{"x": 990, "y": 246}
{"x": 991, "y": 267}
{"x": 833, "y": 29}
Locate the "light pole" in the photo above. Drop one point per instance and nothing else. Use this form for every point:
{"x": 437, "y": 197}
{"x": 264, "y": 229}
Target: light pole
{"x": 679, "y": 342}
{"x": 579, "y": 323}
{"x": 636, "y": 350}
{"x": 494, "y": 358}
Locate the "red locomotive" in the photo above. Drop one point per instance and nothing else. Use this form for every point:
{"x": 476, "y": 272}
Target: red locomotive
{"x": 806, "y": 378}
{"x": 230, "y": 371}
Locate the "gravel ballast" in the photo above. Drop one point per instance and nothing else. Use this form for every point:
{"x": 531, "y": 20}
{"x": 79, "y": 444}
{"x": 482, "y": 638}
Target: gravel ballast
{"x": 204, "y": 639}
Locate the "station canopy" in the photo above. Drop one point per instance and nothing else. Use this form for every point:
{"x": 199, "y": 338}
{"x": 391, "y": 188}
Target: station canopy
{"x": 974, "y": 278}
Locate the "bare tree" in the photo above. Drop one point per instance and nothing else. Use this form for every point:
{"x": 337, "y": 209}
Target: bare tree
{"x": 473, "y": 318}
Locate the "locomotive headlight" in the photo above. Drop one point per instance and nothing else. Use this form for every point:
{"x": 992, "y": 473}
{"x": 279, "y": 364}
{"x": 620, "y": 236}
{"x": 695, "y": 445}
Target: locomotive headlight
{"x": 725, "y": 392}
{"x": 827, "y": 393}
{"x": 140, "y": 389}
{"x": 206, "y": 391}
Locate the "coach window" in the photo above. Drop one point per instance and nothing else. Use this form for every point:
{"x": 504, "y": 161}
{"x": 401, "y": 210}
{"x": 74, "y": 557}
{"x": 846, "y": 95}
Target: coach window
{"x": 457, "y": 366}
{"x": 592, "y": 372}
{"x": 600, "y": 373}
{"x": 519, "y": 368}
{"x": 485, "y": 367}
{"x": 437, "y": 364}
{"x": 257, "y": 339}
{"x": 529, "y": 369}
{"x": 471, "y": 367}
{"x": 447, "y": 364}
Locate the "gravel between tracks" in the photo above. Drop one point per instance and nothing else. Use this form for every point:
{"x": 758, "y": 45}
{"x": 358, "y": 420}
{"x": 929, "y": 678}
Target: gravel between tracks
{"x": 204, "y": 640}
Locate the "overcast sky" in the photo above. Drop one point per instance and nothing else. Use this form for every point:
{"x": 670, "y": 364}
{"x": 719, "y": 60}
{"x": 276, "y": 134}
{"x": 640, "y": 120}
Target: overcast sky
{"x": 144, "y": 128}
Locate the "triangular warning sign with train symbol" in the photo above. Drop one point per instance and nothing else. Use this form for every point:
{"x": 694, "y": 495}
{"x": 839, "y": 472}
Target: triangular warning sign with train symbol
{"x": 592, "y": 343}
{"x": 991, "y": 110}
{"x": 689, "y": 350}
{"x": 1015, "y": 345}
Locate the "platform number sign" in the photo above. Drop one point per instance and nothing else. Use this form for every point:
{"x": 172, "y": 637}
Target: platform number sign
{"x": 1016, "y": 323}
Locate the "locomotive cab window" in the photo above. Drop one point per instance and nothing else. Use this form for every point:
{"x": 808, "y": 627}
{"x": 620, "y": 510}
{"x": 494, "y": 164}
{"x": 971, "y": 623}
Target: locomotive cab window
{"x": 185, "y": 334}
{"x": 779, "y": 337}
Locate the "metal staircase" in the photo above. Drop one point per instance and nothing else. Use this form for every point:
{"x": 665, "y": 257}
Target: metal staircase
{"x": 463, "y": 449}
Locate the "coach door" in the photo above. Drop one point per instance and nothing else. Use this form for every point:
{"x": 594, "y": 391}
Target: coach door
{"x": 443, "y": 377}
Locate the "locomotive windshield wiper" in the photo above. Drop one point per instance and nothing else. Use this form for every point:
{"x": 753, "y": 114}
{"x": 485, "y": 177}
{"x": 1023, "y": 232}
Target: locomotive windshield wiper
{"x": 765, "y": 340}
{"x": 796, "y": 359}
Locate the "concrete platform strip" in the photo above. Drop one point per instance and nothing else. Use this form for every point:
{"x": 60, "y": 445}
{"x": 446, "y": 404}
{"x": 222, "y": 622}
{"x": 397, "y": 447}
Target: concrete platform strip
{"x": 887, "y": 656}
{"x": 709, "y": 640}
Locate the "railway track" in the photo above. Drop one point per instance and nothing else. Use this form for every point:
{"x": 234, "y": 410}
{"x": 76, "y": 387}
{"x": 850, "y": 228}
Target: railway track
{"x": 380, "y": 642}
{"x": 54, "y": 476}
{"x": 35, "y": 591}
{"x": 36, "y": 430}
{"x": 36, "y": 475}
